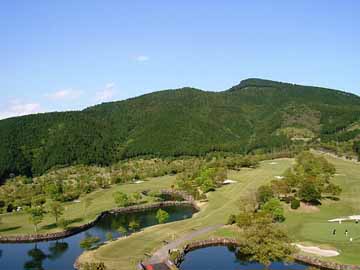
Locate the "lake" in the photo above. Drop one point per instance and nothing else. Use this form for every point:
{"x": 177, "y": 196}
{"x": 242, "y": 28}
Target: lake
{"x": 61, "y": 254}
{"x": 225, "y": 258}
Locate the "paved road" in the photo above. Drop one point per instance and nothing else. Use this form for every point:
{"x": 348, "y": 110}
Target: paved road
{"x": 162, "y": 254}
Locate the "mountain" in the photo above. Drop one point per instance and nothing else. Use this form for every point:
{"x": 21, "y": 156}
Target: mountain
{"x": 253, "y": 116}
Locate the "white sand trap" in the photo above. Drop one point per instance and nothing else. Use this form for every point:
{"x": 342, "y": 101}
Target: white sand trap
{"x": 228, "y": 181}
{"x": 349, "y": 218}
{"x": 139, "y": 182}
{"x": 273, "y": 163}
{"x": 318, "y": 251}
{"x": 279, "y": 177}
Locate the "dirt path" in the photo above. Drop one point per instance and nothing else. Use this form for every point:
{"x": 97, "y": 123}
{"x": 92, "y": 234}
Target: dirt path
{"x": 161, "y": 254}
{"x": 318, "y": 251}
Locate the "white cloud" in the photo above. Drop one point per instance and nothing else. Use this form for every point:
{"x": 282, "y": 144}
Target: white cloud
{"x": 142, "y": 58}
{"x": 17, "y": 108}
{"x": 65, "y": 94}
{"x": 105, "y": 94}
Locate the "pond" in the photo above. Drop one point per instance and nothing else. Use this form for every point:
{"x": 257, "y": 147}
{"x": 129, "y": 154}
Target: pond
{"x": 225, "y": 258}
{"x": 61, "y": 254}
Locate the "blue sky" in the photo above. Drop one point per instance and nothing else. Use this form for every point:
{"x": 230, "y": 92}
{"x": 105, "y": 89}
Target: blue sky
{"x": 64, "y": 55}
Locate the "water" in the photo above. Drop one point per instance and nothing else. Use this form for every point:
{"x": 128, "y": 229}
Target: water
{"x": 224, "y": 258}
{"x": 61, "y": 254}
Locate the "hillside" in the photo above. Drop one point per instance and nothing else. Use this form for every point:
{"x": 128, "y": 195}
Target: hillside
{"x": 254, "y": 116}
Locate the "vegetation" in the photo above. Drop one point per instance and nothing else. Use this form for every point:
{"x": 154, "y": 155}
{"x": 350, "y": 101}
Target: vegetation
{"x": 56, "y": 210}
{"x": 74, "y": 183}
{"x": 252, "y": 117}
{"x": 89, "y": 241}
{"x": 221, "y": 203}
{"x": 308, "y": 180}
{"x": 36, "y": 216}
{"x": 200, "y": 179}
{"x": 17, "y": 222}
{"x": 261, "y": 240}
{"x": 162, "y": 216}
{"x": 93, "y": 266}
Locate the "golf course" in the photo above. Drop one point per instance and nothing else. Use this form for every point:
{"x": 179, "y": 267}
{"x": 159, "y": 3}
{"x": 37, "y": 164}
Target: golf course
{"x": 306, "y": 226}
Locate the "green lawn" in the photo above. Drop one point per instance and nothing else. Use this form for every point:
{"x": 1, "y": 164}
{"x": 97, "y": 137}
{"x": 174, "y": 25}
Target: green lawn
{"x": 314, "y": 227}
{"x": 306, "y": 227}
{"x": 17, "y": 223}
{"x": 126, "y": 252}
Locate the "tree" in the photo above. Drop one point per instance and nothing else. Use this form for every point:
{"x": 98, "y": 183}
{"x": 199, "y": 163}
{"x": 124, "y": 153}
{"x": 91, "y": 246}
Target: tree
{"x": 295, "y": 203}
{"x": 36, "y": 216}
{"x": 122, "y": 230}
{"x": 87, "y": 203}
{"x": 264, "y": 193}
{"x": 308, "y": 192}
{"x": 332, "y": 189}
{"x": 109, "y": 236}
{"x": 265, "y": 244}
{"x": 137, "y": 196}
{"x": 93, "y": 266}
{"x": 162, "y": 216}
{"x": 280, "y": 187}
{"x": 89, "y": 241}
{"x": 63, "y": 223}
{"x": 134, "y": 225}
{"x": 261, "y": 240}
{"x": 121, "y": 199}
{"x": 275, "y": 209}
{"x": 56, "y": 209}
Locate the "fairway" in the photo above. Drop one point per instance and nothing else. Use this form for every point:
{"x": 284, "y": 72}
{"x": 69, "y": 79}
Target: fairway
{"x": 101, "y": 200}
{"x": 125, "y": 253}
{"x": 314, "y": 228}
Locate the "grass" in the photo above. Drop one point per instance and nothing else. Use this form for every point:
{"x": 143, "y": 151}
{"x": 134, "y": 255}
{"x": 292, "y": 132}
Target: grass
{"x": 18, "y": 223}
{"x": 313, "y": 228}
{"x": 124, "y": 253}
{"x": 310, "y": 228}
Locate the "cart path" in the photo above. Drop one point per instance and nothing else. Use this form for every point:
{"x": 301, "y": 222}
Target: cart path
{"x": 162, "y": 254}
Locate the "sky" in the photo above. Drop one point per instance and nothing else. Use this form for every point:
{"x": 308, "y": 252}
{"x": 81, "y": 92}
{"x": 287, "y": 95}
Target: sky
{"x": 66, "y": 55}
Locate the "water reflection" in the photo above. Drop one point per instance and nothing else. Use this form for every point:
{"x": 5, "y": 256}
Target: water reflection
{"x": 227, "y": 258}
{"x": 61, "y": 254}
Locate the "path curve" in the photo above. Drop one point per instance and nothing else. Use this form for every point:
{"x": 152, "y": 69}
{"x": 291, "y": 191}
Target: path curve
{"x": 162, "y": 254}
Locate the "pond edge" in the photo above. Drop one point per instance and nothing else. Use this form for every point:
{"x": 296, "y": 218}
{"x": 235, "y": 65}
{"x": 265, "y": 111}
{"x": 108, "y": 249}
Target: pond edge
{"x": 310, "y": 260}
{"x": 30, "y": 238}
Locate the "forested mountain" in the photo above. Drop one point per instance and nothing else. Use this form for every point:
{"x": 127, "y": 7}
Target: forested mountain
{"x": 254, "y": 116}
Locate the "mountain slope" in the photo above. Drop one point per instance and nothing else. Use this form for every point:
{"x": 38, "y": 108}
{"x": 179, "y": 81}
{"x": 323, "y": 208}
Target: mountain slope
{"x": 252, "y": 116}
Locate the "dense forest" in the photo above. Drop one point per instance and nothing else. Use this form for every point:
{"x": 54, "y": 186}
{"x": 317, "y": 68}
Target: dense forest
{"x": 255, "y": 116}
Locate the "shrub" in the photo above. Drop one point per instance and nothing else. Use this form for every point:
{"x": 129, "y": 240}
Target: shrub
{"x": 231, "y": 220}
{"x": 88, "y": 242}
{"x": 162, "y": 216}
{"x": 295, "y": 204}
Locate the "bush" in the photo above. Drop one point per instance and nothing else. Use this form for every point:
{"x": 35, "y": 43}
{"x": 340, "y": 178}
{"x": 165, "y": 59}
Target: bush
{"x": 93, "y": 266}
{"x": 295, "y": 204}
{"x": 162, "y": 216}
{"x": 231, "y": 220}
{"x": 88, "y": 242}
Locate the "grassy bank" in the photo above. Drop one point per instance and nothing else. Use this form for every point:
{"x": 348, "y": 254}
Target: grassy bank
{"x": 17, "y": 223}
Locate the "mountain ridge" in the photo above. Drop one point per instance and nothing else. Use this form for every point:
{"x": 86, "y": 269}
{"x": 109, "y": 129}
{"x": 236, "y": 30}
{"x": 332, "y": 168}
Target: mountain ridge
{"x": 253, "y": 116}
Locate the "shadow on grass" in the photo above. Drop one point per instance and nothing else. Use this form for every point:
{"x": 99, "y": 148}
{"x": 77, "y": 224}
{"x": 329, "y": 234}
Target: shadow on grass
{"x": 74, "y": 220}
{"x": 49, "y": 226}
{"x": 333, "y": 198}
{"x": 10, "y": 229}
{"x": 69, "y": 222}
